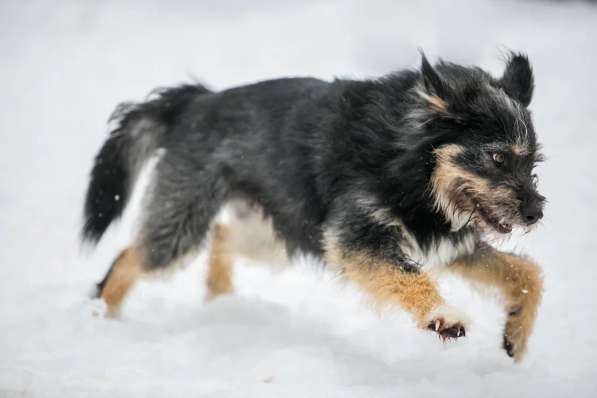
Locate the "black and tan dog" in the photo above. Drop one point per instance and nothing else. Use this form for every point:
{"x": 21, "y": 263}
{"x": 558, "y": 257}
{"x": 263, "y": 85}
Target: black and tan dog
{"x": 379, "y": 178}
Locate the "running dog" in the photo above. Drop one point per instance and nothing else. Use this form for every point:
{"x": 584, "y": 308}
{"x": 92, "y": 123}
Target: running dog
{"x": 381, "y": 179}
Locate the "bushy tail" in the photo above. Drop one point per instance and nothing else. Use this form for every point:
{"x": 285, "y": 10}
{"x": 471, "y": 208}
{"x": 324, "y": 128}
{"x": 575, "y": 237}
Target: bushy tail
{"x": 139, "y": 132}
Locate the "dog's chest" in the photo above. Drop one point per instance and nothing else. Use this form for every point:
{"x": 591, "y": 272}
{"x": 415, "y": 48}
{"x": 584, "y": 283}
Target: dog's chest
{"x": 441, "y": 251}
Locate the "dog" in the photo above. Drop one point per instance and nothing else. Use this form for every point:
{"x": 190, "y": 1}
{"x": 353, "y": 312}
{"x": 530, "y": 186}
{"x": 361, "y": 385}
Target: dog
{"x": 380, "y": 178}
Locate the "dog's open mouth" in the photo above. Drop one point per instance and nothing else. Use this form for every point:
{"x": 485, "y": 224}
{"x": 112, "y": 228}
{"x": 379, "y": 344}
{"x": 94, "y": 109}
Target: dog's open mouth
{"x": 491, "y": 220}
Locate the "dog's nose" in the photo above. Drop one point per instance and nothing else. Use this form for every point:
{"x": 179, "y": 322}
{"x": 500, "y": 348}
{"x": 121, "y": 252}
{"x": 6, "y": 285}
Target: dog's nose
{"x": 531, "y": 212}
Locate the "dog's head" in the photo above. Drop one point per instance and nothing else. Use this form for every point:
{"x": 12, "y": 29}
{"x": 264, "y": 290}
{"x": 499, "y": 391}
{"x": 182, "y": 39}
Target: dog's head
{"x": 483, "y": 164}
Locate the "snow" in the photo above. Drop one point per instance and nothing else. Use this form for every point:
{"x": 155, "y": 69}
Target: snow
{"x": 296, "y": 331}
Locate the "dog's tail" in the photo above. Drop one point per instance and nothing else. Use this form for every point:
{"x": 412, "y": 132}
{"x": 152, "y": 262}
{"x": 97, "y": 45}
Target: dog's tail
{"x": 140, "y": 130}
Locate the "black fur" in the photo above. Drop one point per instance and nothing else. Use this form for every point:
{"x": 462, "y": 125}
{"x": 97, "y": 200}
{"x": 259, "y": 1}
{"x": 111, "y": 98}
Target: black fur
{"x": 518, "y": 80}
{"x": 111, "y": 176}
{"x": 315, "y": 156}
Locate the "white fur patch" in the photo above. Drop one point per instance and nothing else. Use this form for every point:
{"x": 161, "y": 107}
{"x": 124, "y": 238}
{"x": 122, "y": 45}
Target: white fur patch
{"x": 441, "y": 252}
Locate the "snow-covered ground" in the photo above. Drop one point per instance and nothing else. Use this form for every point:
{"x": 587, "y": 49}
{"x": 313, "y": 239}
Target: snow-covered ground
{"x": 295, "y": 332}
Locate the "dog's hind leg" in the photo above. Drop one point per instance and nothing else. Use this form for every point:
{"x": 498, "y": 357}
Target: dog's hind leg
{"x": 183, "y": 201}
{"x": 247, "y": 233}
{"x": 520, "y": 282}
{"x": 220, "y": 263}
{"x": 122, "y": 275}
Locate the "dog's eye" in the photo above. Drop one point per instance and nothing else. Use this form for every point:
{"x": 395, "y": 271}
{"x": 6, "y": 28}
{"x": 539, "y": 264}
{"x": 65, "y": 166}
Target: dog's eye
{"x": 498, "y": 158}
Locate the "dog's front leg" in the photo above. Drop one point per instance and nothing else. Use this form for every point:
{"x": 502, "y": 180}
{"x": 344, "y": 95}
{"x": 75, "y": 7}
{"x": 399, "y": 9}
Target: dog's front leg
{"x": 396, "y": 283}
{"x": 520, "y": 282}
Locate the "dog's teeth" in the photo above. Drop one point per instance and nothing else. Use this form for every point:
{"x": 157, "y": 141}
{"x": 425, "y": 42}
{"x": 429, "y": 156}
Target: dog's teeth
{"x": 505, "y": 225}
{"x": 437, "y": 323}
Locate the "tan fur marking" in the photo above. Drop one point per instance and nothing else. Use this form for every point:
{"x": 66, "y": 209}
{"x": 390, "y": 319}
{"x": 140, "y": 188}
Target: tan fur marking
{"x": 520, "y": 150}
{"x": 519, "y": 280}
{"x": 447, "y": 172}
{"x": 442, "y": 178}
{"x": 385, "y": 283}
{"x": 126, "y": 270}
{"x": 220, "y": 263}
{"x": 436, "y": 103}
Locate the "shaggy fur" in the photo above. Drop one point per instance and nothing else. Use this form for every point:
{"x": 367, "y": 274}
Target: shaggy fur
{"x": 380, "y": 178}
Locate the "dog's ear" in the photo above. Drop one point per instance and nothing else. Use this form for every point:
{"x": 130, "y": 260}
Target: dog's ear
{"x": 432, "y": 81}
{"x": 436, "y": 90}
{"x": 517, "y": 80}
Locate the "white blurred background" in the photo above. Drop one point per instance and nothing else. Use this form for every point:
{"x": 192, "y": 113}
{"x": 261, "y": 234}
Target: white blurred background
{"x": 64, "y": 65}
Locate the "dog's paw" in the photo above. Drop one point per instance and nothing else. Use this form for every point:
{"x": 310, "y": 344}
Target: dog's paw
{"x": 515, "y": 338}
{"x": 508, "y": 346}
{"x": 447, "y": 322}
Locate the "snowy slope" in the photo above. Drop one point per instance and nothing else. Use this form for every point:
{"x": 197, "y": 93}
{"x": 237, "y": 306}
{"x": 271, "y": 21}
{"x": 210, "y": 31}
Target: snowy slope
{"x": 295, "y": 332}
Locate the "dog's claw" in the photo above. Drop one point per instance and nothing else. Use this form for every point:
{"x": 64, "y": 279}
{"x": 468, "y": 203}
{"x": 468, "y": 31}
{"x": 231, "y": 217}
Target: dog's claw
{"x": 447, "y": 332}
{"x": 508, "y": 347}
{"x": 452, "y": 332}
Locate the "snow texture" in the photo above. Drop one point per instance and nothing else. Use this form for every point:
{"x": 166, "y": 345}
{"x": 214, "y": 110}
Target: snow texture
{"x": 296, "y": 331}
